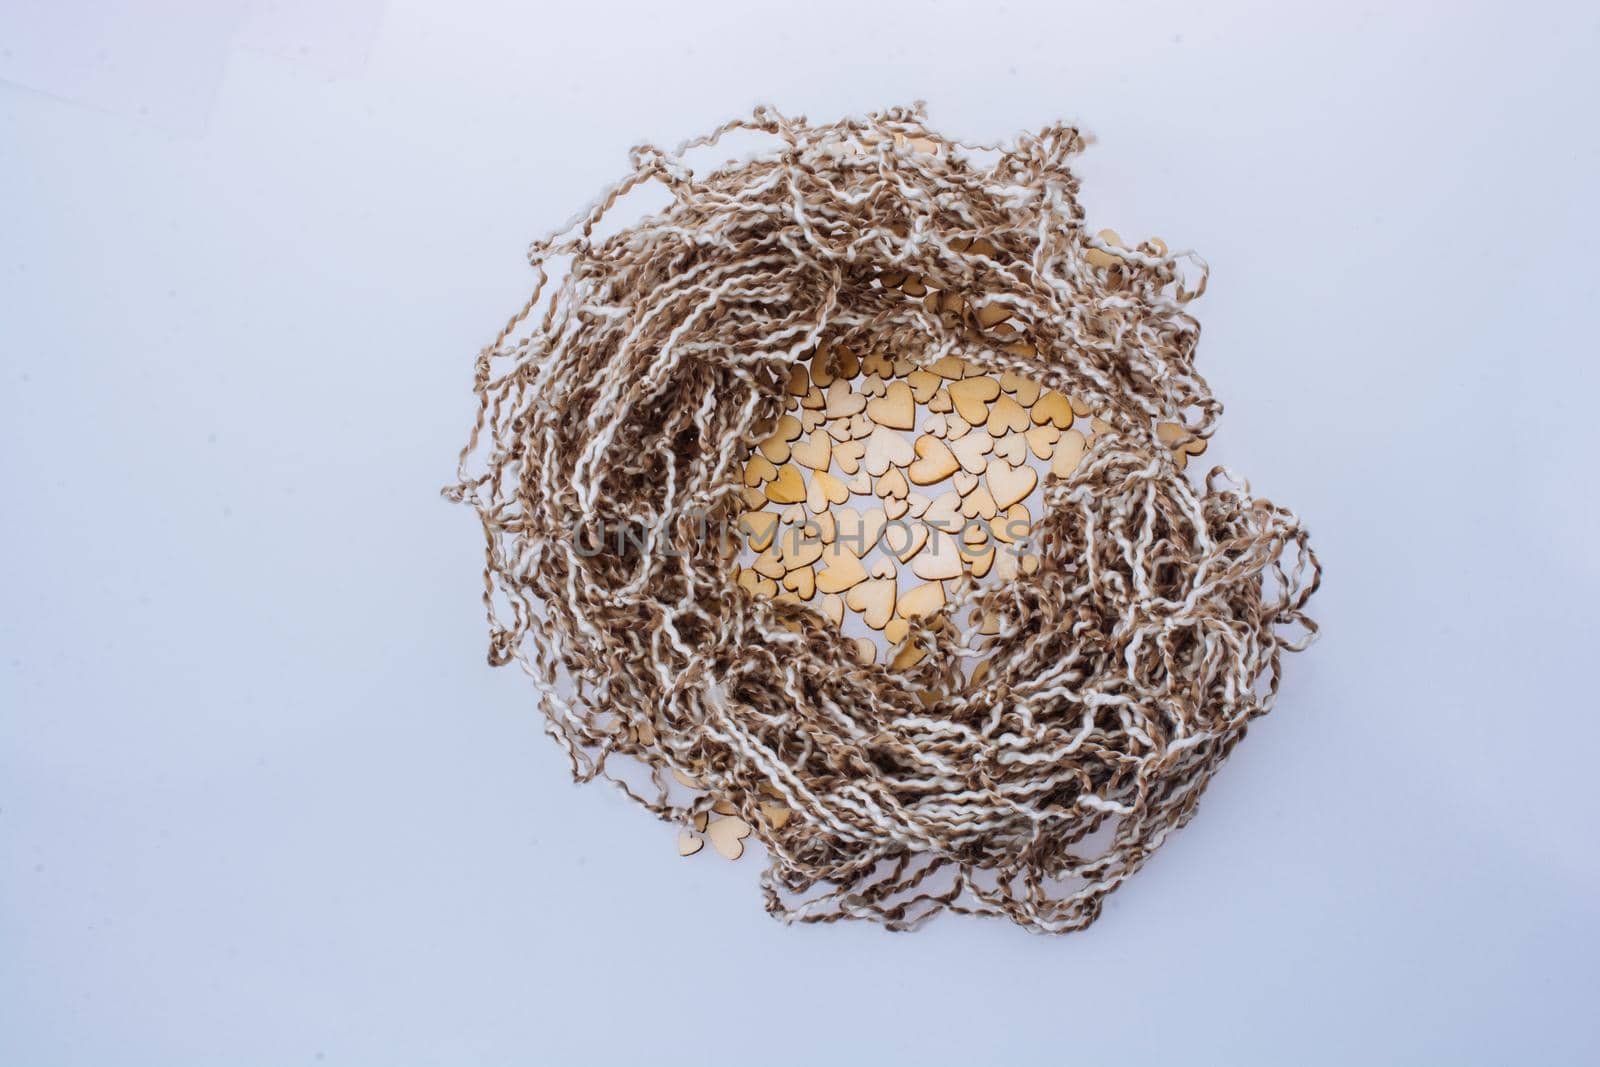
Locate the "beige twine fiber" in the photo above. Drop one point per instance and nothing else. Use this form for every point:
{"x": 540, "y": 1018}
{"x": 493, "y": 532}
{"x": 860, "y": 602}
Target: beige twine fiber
{"x": 1124, "y": 670}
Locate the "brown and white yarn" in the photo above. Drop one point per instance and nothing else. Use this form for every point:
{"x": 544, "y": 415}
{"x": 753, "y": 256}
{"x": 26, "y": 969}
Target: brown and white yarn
{"x": 1120, "y": 674}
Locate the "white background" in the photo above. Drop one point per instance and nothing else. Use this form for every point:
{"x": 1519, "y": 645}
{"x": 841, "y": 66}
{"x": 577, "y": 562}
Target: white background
{"x": 262, "y": 801}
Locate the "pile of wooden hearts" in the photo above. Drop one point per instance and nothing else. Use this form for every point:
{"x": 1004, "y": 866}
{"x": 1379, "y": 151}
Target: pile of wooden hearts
{"x": 949, "y": 504}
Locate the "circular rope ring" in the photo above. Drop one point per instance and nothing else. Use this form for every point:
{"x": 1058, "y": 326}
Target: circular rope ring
{"x": 630, "y": 392}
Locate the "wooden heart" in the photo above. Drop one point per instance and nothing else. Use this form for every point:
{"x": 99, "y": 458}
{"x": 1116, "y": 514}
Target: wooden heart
{"x": 1013, "y": 526}
{"x": 788, "y": 487}
{"x": 1026, "y": 390}
{"x": 972, "y": 451}
{"x": 944, "y": 513}
{"x": 875, "y": 600}
{"x": 727, "y": 836}
{"x": 942, "y": 559}
{"x": 896, "y": 408}
{"x": 769, "y": 564}
{"x": 885, "y": 449}
{"x": 1013, "y": 448}
{"x": 758, "y": 528}
{"x": 992, "y": 314}
{"x": 921, "y": 601}
{"x": 815, "y": 451}
{"x": 842, "y": 401}
{"x": 878, "y": 363}
{"x": 1068, "y": 451}
{"x": 848, "y": 455}
{"x": 923, "y": 384}
{"x": 799, "y": 546}
{"x": 893, "y": 485}
{"x": 934, "y": 462}
{"x": 905, "y": 540}
{"x": 980, "y": 503}
{"x": 776, "y": 447}
{"x": 1009, "y": 484}
{"x": 860, "y": 531}
{"x": 841, "y": 569}
{"x": 825, "y": 490}
{"x": 1053, "y": 408}
{"x": 971, "y": 397}
{"x": 1006, "y": 416}
{"x": 802, "y": 582}
{"x": 1042, "y": 439}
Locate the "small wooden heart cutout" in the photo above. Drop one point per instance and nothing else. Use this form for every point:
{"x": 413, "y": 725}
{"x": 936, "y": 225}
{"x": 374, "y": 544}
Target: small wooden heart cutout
{"x": 776, "y": 447}
{"x": 832, "y": 608}
{"x": 759, "y": 471}
{"x": 896, "y": 409}
{"x": 859, "y": 531}
{"x": 934, "y": 462}
{"x": 727, "y": 836}
{"x": 942, "y": 559}
{"x": 1006, "y": 416}
{"x": 877, "y": 363}
{"x": 923, "y": 384}
{"x": 972, "y": 452}
{"x": 789, "y": 487}
{"x": 759, "y": 527}
{"x": 874, "y": 599}
{"x": 802, "y": 582}
{"x": 1053, "y": 408}
{"x": 825, "y": 490}
{"x": 971, "y": 397}
{"x": 992, "y": 314}
{"x": 840, "y": 569}
{"x": 893, "y": 485}
{"x": 1013, "y": 448}
{"x": 799, "y": 545}
{"x": 815, "y": 451}
{"x": 1042, "y": 439}
{"x": 980, "y": 503}
{"x": 921, "y": 601}
{"x": 848, "y": 455}
{"x": 886, "y": 448}
{"x": 841, "y": 401}
{"x": 1068, "y": 451}
{"x": 1008, "y": 484}
{"x": 1026, "y": 390}
{"x": 770, "y": 565}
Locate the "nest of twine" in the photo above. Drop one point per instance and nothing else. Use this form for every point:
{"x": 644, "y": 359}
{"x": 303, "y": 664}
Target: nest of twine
{"x": 630, "y": 392}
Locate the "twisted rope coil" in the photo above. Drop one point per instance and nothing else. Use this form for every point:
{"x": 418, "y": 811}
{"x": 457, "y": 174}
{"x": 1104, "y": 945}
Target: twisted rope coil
{"x": 1120, "y": 675}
